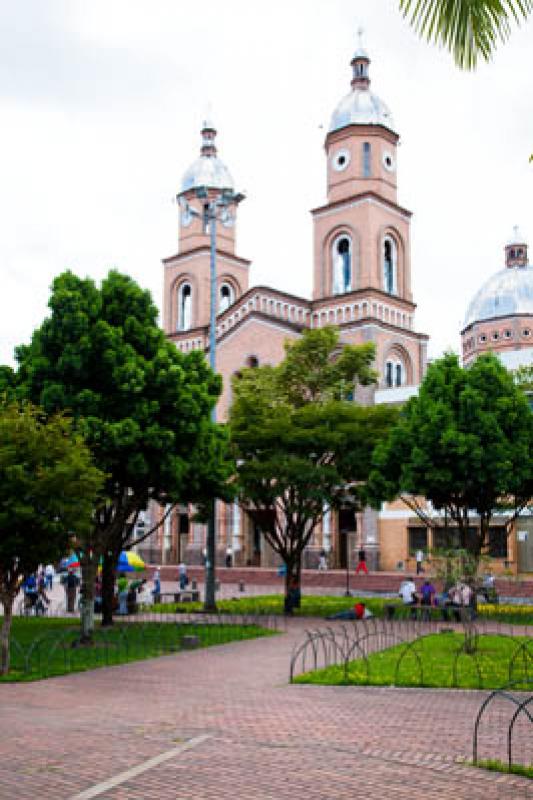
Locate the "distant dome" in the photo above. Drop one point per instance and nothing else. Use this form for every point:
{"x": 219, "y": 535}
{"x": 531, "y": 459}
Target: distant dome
{"x": 508, "y": 292}
{"x": 361, "y": 107}
{"x": 207, "y": 171}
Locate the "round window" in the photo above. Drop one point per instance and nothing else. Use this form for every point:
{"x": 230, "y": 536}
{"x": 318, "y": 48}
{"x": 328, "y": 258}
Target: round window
{"x": 340, "y": 160}
{"x": 508, "y": 334}
{"x": 495, "y": 335}
{"x": 388, "y": 161}
{"x": 526, "y": 332}
{"x": 483, "y": 338}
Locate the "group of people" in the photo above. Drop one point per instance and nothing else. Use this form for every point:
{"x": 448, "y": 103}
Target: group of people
{"x": 455, "y": 599}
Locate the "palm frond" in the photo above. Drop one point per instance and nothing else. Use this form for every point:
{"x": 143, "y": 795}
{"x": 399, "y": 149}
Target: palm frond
{"x": 469, "y": 29}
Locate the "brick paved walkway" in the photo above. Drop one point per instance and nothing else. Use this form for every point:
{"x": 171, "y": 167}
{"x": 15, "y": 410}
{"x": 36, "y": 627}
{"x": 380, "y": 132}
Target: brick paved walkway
{"x": 265, "y": 738}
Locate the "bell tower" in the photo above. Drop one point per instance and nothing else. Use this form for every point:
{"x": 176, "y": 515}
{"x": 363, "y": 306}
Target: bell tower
{"x": 361, "y": 237}
{"x": 186, "y": 300}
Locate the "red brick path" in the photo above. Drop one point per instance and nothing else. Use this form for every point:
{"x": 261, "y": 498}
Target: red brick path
{"x": 267, "y": 739}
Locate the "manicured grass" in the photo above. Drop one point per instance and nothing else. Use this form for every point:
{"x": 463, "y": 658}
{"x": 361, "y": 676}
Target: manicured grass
{"x": 499, "y": 766}
{"x": 324, "y": 605}
{"x": 430, "y": 662}
{"x": 41, "y": 648}
{"x": 311, "y": 606}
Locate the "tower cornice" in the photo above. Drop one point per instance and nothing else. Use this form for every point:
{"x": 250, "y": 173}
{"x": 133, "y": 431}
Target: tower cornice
{"x": 363, "y": 197}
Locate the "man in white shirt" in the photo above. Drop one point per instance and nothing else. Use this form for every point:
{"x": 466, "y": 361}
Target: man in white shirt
{"x": 408, "y": 594}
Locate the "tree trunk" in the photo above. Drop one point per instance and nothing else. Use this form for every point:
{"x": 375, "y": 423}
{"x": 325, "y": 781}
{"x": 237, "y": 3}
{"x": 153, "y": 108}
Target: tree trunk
{"x": 5, "y": 634}
{"x": 108, "y": 586}
{"x": 292, "y": 585}
{"x": 88, "y": 576}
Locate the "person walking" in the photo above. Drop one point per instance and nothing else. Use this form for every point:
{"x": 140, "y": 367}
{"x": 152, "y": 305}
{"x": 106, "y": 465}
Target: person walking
{"x": 156, "y": 591}
{"x": 183, "y": 578}
{"x": 71, "y": 588}
{"x": 122, "y": 587}
{"x": 49, "y": 573}
{"x": 229, "y": 556}
{"x": 419, "y": 560}
{"x": 323, "y": 561}
{"x": 361, "y": 565}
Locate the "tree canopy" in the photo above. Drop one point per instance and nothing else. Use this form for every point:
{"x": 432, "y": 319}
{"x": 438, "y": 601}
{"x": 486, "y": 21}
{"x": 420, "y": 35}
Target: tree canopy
{"x": 301, "y": 448}
{"x": 465, "y": 444}
{"x": 142, "y": 406}
{"x": 48, "y": 490}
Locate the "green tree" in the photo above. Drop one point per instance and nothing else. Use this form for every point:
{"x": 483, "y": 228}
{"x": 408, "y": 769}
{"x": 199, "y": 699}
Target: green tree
{"x": 524, "y": 377}
{"x": 48, "y": 489}
{"x": 300, "y": 447}
{"x": 469, "y": 29}
{"x": 142, "y": 406}
{"x": 465, "y": 444}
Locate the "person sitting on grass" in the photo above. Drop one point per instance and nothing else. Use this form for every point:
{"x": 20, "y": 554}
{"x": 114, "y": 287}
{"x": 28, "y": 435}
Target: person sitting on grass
{"x": 359, "y": 611}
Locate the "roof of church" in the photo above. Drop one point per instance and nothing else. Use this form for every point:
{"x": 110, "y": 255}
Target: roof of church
{"x": 208, "y": 171}
{"x": 507, "y": 293}
{"x": 361, "y": 107}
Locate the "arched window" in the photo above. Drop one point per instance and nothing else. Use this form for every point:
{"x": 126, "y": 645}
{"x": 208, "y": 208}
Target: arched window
{"x": 395, "y": 371}
{"x": 366, "y": 160}
{"x": 389, "y": 265}
{"x": 252, "y": 362}
{"x": 342, "y": 265}
{"x": 399, "y": 374}
{"x": 226, "y": 297}
{"x": 184, "y": 307}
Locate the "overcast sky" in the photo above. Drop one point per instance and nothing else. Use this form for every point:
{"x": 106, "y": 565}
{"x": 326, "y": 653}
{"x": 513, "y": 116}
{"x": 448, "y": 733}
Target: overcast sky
{"x": 101, "y": 104}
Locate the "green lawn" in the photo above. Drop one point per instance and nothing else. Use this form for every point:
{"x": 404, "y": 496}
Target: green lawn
{"x": 324, "y": 605}
{"x": 312, "y": 605}
{"x": 498, "y": 766}
{"x": 41, "y": 648}
{"x": 430, "y": 662}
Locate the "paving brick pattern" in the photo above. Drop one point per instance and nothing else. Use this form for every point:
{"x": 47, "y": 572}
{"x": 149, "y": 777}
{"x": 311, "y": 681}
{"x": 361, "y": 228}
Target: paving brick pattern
{"x": 267, "y": 739}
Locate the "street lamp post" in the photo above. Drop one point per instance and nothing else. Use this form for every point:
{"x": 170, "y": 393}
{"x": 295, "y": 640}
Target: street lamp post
{"x": 214, "y": 209}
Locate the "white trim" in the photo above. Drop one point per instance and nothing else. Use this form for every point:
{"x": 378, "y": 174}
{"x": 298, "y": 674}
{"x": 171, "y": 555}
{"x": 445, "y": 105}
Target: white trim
{"x": 122, "y": 777}
{"x": 327, "y": 212}
{"x": 182, "y": 258}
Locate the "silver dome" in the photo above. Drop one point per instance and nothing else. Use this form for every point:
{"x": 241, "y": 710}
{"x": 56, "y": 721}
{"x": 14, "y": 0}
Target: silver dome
{"x": 508, "y": 292}
{"x": 207, "y": 171}
{"x": 361, "y": 107}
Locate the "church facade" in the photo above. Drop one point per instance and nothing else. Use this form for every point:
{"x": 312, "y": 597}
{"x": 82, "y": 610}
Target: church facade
{"x": 361, "y": 283}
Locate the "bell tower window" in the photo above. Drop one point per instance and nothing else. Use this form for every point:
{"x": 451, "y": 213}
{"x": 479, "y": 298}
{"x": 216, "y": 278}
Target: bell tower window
{"x": 184, "y": 307}
{"x": 367, "y": 152}
{"x": 389, "y": 265}
{"x": 342, "y": 265}
{"x": 226, "y": 297}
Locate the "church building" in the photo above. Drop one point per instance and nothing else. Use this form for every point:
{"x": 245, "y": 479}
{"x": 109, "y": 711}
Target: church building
{"x": 361, "y": 283}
